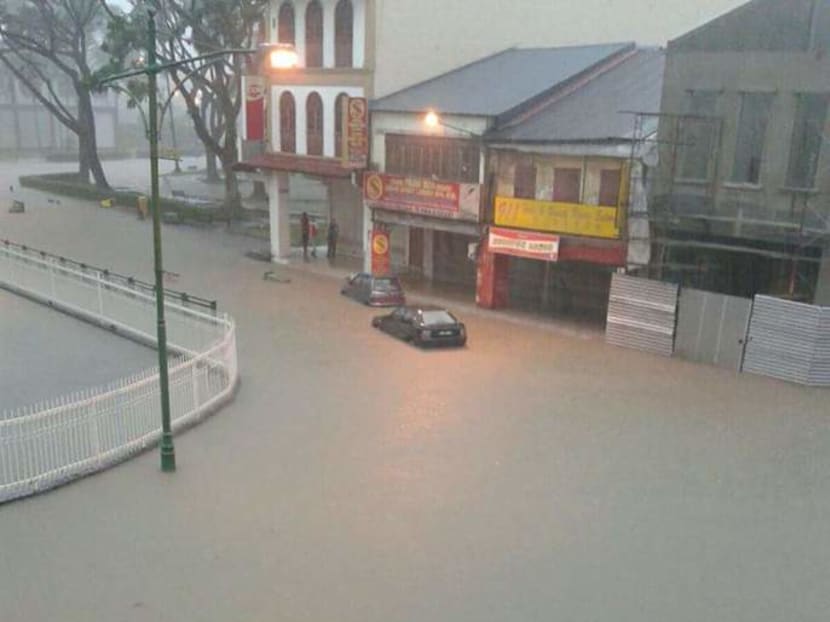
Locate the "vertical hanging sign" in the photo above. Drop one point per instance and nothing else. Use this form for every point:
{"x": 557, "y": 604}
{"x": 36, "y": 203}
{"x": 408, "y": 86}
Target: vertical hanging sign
{"x": 356, "y": 132}
{"x": 380, "y": 251}
{"x": 254, "y": 108}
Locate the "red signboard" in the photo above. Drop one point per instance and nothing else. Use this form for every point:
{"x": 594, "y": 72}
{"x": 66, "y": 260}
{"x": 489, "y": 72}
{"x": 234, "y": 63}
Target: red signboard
{"x": 524, "y": 244}
{"x": 422, "y": 196}
{"x": 254, "y": 108}
{"x": 356, "y": 132}
{"x": 380, "y": 252}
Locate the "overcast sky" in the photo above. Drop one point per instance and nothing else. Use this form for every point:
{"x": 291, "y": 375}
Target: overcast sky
{"x": 458, "y": 34}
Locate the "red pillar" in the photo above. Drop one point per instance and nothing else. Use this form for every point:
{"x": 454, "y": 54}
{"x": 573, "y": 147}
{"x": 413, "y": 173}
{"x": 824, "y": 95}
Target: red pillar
{"x": 491, "y": 279}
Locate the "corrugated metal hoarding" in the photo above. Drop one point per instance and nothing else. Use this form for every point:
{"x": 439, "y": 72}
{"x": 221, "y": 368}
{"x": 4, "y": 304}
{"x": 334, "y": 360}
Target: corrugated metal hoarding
{"x": 790, "y": 341}
{"x": 641, "y": 314}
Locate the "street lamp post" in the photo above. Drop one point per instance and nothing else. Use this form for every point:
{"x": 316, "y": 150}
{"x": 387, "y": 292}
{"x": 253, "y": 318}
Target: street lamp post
{"x": 168, "y": 451}
{"x": 151, "y": 70}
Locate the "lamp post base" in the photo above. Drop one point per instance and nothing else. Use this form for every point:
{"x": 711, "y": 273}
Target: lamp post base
{"x": 168, "y": 454}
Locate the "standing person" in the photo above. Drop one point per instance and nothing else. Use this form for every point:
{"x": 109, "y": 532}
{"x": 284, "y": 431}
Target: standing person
{"x": 304, "y": 231}
{"x": 334, "y": 230}
{"x": 313, "y": 231}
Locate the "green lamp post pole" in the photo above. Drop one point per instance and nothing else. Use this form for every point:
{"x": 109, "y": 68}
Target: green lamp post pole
{"x": 281, "y": 58}
{"x": 168, "y": 451}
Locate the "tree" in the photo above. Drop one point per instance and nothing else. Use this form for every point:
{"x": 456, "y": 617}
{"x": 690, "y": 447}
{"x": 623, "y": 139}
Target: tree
{"x": 49, "y": 45}
{"x": 212, "y": 90}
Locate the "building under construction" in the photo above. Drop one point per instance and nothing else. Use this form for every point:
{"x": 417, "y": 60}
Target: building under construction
{"x": 740, "y": 194}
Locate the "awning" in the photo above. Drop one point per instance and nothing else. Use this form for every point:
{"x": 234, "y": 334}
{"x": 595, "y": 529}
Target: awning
{"x": 449, "y": 225}
{"x": 294, "y": 163}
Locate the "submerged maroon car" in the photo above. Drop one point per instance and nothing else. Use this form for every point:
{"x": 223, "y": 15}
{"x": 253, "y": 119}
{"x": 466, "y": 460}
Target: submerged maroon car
{"x": 375, "y": 291}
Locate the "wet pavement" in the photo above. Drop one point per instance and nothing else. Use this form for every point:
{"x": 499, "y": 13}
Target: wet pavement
{"x": 533, "y": 475}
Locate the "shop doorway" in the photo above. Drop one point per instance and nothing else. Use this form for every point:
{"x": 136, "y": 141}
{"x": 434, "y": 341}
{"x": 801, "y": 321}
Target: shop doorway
{"x": 561, "y": 289}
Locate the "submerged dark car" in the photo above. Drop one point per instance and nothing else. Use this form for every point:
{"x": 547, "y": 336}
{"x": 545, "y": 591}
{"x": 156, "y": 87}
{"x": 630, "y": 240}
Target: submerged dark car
{"x": 375, "y": 291}
{"x": 423, "y": 326}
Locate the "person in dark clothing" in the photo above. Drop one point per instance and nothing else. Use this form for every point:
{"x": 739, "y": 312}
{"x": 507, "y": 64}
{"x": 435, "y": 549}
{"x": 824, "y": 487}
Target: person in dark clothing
{"x": 305, "y": 230}
{"x": 334, "y": 230}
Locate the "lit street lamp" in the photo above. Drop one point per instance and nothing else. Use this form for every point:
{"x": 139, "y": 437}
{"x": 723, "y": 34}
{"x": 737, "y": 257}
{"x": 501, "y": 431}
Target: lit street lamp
{"x": 433, "y": 121}
{"x": 280, "y": 57}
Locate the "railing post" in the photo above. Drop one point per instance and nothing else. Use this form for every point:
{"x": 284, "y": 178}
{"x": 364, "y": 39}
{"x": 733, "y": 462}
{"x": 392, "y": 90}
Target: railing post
{"x": 100, "y": 296}
{"x": 52, "y": 279}
{"x": 95, "y": 436}
{"x": 194, "y": 378}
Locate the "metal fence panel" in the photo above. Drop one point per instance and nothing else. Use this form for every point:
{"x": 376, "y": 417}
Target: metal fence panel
{"x": 788, "y": 340}
{"x": 820, "y": 370}
{"x": 641, "y": 314}
{"x": 711, "y": 328}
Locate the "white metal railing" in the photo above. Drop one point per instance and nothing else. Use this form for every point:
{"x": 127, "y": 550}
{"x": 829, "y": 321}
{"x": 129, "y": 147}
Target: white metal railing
{"x": 47, "y": 444}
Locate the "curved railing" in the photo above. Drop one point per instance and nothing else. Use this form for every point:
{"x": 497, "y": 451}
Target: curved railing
{"x": 47, "y": 444}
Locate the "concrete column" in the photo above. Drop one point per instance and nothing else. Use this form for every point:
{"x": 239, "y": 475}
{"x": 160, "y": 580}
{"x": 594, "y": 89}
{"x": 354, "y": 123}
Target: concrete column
{"x": 273, "y": 111}
{"x": 429, "y": 254}
{"x": 359, "y": 34}
{"x": 823, "y": 282}
{"x": 300, "y": 131}
{"x": 328, "y": 34}
{"x": 273, "y": 20}
{"x": 278, "y": 213}
{"x": 329, "y": 100}
{"x": 299, "y": 30}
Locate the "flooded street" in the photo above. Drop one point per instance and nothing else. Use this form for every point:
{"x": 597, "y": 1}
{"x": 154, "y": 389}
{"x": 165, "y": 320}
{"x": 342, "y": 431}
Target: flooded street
{"x": 530, "y": 476}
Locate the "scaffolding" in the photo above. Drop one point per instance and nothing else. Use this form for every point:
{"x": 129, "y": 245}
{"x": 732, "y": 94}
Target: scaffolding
{"x": 707, "y": 214}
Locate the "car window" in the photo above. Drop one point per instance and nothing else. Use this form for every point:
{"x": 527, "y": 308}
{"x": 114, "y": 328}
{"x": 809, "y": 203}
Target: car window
{"x": 399, "y": 313}
{"x": 437, "y": 316}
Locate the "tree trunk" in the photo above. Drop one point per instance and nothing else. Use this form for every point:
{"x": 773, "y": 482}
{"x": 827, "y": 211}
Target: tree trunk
{"x": 83, "y": 158}
{"x": 87, "y": 143}
{"x": 233, "y": 200}
{"x": 259, "y": 193}
{"x": 212, "y": 170}
{"x": 18, "y": 136}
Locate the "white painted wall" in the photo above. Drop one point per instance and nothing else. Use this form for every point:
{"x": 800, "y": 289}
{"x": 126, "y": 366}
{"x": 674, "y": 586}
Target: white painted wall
{"x": 358, "y": 30}
{"x": 329, "y": 96}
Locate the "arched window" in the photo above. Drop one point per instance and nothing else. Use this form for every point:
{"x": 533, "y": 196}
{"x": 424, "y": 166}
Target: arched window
{"x": 314, "y": 35}
{"x": 339, "y": 103}
{"x": 285, "y": 32}
{"x": 288, "y": 123}
{"x": 314, "y": 124}
{"x": 343, "y": 33}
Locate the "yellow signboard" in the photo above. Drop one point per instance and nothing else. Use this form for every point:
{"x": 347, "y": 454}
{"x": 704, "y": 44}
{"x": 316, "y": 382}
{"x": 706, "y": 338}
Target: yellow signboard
{"x": 573, "y": 218}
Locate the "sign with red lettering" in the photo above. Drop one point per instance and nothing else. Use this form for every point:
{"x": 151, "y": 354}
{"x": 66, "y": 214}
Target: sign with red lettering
{"x": 423, "y": 196}
{"x": 254, "y": 108}
{"x": 524, "y": 244}
{"x": 380, "y": 252}
{"x": 356, "y": 132}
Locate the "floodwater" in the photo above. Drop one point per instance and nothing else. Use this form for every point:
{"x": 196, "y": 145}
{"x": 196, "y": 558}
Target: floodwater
{"x": 46, "y": 354}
